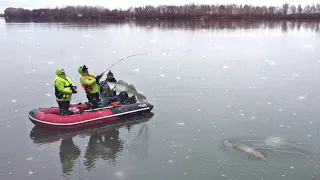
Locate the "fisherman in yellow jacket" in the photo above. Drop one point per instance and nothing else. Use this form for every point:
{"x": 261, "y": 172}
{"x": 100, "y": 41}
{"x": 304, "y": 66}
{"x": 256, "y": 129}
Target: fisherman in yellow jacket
{"x": 90, "y": 84}
{"x": 64, "y": 88}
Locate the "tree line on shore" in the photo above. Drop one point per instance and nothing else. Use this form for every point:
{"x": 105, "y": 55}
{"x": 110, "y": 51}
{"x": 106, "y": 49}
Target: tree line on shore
{"x": 229, "y": 11}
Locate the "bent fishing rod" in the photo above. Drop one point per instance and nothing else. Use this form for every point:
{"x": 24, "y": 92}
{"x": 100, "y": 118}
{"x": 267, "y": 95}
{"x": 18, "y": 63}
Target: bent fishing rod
{"x": 142, "y": 54}
{"x": 121, "y": 60}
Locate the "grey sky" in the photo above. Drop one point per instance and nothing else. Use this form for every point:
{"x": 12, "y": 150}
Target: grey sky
{"x": 127, "y": 3}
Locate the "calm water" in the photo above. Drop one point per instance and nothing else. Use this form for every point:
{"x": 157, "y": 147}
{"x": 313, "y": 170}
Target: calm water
{"x": 209, "y": 81}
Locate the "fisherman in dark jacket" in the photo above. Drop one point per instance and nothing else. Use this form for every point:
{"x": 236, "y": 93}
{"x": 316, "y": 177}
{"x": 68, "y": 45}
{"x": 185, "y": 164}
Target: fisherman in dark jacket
{"x": 110, "y": 77}
{"x": 123, "y": 97}
{"x": 107, "y": 95}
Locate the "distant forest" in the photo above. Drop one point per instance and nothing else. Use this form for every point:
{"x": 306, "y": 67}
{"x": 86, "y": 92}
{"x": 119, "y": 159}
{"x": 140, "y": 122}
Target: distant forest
{"x": 188, "y": 11}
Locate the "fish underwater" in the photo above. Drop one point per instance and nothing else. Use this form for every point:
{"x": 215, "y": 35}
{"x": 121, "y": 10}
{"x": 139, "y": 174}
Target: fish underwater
{"x": 121, "y": 86}
{"x": 245, "y": 148}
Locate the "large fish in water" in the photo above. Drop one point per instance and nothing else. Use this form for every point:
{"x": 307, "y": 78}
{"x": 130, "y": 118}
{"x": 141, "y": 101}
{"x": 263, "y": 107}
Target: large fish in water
{"x": 121, "y": 86}
{"x": 245, "y": 148}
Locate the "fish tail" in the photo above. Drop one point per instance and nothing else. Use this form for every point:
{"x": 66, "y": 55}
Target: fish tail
{"x": 141, "y": 97}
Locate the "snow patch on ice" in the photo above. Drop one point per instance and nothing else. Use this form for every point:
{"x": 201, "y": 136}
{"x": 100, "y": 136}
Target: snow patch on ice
{"x": 303, "y": 97}
{"x": 119, "y": 174}
{"x": 272, "y": 63}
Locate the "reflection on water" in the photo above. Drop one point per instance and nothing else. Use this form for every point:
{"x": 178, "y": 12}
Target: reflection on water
{"x": 104, "y": 142}
{"x": 105, "y": 145}
{"x": 69, "y": 153}
{"x": 140, "y": 143}
{"x": 190, "y": 24}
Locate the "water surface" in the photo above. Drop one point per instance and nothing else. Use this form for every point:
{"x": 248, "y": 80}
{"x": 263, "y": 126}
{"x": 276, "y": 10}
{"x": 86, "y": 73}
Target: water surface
{"x": 208, "y": 80}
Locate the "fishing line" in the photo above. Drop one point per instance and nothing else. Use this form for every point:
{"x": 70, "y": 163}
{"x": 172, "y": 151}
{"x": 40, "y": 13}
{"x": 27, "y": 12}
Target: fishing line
{"x": 141, "y": 54}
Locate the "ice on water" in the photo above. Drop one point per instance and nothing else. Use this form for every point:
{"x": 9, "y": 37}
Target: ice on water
{"x": 272, "y": 63}
{"x": 303, "y": 97}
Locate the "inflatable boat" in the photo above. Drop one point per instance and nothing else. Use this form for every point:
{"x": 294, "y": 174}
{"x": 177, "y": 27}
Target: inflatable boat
{"x": 50, "y": 117}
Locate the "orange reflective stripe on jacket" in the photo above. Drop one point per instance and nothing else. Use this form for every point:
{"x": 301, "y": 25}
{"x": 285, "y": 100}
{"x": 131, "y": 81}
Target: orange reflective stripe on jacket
{"x": 87, "y": 88}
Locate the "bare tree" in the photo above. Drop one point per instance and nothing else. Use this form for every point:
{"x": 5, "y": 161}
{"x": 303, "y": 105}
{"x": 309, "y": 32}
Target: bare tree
{"x": 293, "y": 9}
{"x": 285, "y": 8}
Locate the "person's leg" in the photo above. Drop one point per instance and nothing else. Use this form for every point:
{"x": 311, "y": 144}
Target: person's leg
{"x": 105, "y": 101}
{"x": 94, "y": 100}
{"x": 64, "y": 107}
{"x": 123, "y": 97}
{"x": 114, "y": 99}
{"x": 90, "y": 101}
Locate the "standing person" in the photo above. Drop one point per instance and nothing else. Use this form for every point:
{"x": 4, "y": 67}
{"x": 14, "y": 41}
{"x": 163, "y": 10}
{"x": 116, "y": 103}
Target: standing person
{"x": 64, "y": 88}
{"x": 90, "y": 84}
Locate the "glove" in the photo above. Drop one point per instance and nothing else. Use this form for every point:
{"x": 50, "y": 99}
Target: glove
{"x": 98, "y": 78}
{"x": 74, "y": 89}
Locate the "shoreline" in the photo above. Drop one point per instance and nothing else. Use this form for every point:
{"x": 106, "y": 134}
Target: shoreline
{"x": 103, "y": 20}
{"x": 164, "y": 12}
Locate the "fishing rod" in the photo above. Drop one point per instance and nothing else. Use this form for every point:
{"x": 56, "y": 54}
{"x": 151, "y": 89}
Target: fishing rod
{"x": 121, "y": 60}
{"x": 142, "y": 54}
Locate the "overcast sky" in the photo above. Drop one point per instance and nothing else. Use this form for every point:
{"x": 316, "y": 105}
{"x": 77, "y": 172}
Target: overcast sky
{"x": 30, "y": 4}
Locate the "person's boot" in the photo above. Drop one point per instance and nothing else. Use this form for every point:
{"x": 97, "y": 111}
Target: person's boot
{"x": 132, "y": 99}
{"x": 63, "y": 112}
{"x": 81, "y": 111}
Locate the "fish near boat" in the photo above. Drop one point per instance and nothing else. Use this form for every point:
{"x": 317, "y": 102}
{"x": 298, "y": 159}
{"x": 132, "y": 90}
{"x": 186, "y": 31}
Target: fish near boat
{"x": 122, "y": 86}
{"x": 245, "y": 148}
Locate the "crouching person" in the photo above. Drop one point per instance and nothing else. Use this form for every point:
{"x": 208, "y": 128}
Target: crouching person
{"x": 107, "y": 95}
